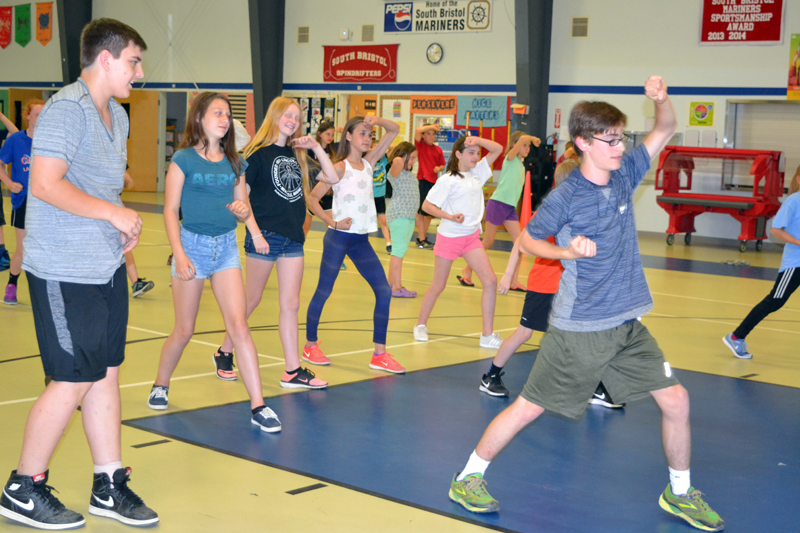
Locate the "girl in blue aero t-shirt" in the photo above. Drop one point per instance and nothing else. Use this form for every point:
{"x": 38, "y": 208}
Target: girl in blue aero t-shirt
{"x": 786, "y": 227}
{"x": 205, "y": 179}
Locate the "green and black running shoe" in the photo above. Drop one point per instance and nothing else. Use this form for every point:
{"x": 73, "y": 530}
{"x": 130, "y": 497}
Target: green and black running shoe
{"x": 471, "y": 493}
{"x": 692, "y": 508}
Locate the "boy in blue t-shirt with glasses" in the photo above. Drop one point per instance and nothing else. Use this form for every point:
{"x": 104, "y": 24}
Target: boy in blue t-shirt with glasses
{"x": 594, "y": 333}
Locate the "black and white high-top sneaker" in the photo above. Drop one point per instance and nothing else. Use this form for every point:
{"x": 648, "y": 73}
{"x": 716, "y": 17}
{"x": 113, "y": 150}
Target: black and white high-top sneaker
{"x": 113, "y": 499}
{"x": 28, "y": 500}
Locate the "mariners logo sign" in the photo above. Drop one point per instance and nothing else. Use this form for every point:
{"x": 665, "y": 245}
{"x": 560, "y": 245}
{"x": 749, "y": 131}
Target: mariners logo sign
{"x": 437, "y": 16}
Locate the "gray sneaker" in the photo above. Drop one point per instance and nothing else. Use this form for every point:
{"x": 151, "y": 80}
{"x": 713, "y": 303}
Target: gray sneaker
{"x": 267, "y": 420}
{"x": 141, "y": 286}
{"x": 158, "y": 398}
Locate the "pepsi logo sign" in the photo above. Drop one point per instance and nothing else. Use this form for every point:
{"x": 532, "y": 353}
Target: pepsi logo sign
{"x": 397, "y": 17}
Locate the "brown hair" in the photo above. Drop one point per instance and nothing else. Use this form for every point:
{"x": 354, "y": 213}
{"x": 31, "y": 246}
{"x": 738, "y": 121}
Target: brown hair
{"x": 564, "y": 170}
{"x": 402, "y": 150}
{"x": 195, "y": 134}
{"x": 590, "y": 118}
{"x": 268, "y": 134}
{"x": 344, "y": 144}
{"x": 323, "y": 127}
{"x": 29, "y": 105}
{"x": 512, "y": 141}
{"x": 107, "y": 34}
{"x": 794, "y": 185}
{"x": 452, "y": 163}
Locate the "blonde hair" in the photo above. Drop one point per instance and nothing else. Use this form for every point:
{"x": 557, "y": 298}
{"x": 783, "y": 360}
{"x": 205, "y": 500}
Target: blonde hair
{"x": 564, "y": 170}
{"x": 794, "y": 185}
{"x": 268, "y": 133}
{"x": 512, "y": 141}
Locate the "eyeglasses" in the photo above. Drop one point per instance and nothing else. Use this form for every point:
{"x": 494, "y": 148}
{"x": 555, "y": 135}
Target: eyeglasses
{"x": 613, "y": 142}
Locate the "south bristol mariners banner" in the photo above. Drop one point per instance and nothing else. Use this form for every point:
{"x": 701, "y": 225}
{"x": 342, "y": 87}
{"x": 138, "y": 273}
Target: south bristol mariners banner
{"x": 437, "y": 16}
{"x": 742, "y": 22}
{"x": 373, "y": 64}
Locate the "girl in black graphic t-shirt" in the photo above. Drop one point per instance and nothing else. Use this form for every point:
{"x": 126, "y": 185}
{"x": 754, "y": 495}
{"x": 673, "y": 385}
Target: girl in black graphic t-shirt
{"x": 278, "y": 181}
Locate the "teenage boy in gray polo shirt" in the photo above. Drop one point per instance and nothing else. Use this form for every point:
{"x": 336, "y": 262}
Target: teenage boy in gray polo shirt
{"x": 594, "y": 334}
{"x": 77, "y": 233}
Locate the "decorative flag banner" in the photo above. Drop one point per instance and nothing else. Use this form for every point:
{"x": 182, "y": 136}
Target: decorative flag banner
{"x": 22, "y": 24}
{"x": 793, "y": 86}
{"x": 433, "y": 105}
{"x": 372, "y": 64}
{"x": 5, "y": 26}
{"x": 44, "y": 19}
{"x": 490, "y": 109}
{"x": 437, "y": 16}
{"x": 742, "y": 22}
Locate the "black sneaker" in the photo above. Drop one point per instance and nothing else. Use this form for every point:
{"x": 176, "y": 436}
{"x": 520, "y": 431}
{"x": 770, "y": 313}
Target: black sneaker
{"x": 29, "y": 500}
{"x": 421, "y": 244}
{"x": 493, "y": 385}
{"x": 224, "y": 363}
{"x": 141, "y": 286}
{"x": 602, "y": 397}
{"x": 428, "y": 245}
{"x": 115, "y": 500}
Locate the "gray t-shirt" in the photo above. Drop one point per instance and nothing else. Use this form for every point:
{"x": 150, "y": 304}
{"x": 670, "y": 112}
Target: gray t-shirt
{"x": 60, "y": 246}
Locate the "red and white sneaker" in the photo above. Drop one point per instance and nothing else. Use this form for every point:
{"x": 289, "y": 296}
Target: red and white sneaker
{"x": 302, "y": 379}
{"x": 386, "y": 363}
{"x": 224, "y": 363}
{"x": 314, "y": 355}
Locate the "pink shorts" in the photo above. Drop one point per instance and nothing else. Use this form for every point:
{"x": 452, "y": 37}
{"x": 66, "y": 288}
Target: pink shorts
{"x": 454, "y": 247}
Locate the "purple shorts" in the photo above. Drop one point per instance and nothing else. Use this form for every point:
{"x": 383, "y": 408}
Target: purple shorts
{"x": 498, "y": 212}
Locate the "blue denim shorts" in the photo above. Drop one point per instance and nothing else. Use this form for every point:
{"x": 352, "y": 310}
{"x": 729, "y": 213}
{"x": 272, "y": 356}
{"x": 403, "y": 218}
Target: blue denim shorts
{"x": 279, "y": 246}
{"x": 210, "y": 255}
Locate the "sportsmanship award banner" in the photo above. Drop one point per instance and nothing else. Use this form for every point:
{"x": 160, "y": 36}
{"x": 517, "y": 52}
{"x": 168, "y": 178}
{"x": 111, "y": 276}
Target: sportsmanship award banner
{"x": 742, "y": 22}
{"x": 372, "y": 63}
{"x": 490, "y": 109}
{"x": 5, "y": 26}
{"x": 44, "y": 18}
{"x": 22, "y": 24}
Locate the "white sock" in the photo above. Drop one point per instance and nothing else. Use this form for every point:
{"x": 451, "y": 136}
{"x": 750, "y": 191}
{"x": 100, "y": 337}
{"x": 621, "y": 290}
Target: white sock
{"x": 475, "y": 465}
{"x": 680, "y": 480}
{"x": 108, "y": 469}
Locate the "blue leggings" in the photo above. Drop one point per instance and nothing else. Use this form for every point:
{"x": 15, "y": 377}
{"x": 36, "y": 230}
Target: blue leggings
{"x": 336, "y": 245}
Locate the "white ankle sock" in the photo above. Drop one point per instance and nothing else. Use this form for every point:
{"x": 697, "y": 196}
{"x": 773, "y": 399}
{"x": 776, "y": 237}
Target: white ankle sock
{"x": 108, "y": 469}
{"x": 680, "y": 480}
{"x": 475, "y": 465}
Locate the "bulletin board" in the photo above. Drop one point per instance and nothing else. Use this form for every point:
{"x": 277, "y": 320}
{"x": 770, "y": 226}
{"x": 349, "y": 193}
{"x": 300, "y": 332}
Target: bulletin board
{"x": 397, "y": 108}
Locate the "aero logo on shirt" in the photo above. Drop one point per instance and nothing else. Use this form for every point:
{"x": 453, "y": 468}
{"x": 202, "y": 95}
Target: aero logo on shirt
{"x": 222, "y": 180}
{"x": 287, "y": 178}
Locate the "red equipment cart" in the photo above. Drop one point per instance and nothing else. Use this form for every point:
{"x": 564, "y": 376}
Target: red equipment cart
{"x": 752, "y": 211}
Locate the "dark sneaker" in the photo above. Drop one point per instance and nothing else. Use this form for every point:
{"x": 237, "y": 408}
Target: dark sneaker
{"x": 692, "y": 508}
{"x": 388, "y": 248}
{"x": 224, "y": 363}
{"x": 493, "y": 385}
{"x": 471, "y": 493}
{"x": 428, "y": 245}
{"x": 420, "y": 244}
{"x": 5, "y": 260}
{"x": 267, "y": 420}
{"x": 141, "y": 286}
{"x": 158, "y": 399}
{"x": 29, "y": 500}
{"x": 302, "y": 379}
{"x": 602, "y": 397}
{"x": 113, "y": 499}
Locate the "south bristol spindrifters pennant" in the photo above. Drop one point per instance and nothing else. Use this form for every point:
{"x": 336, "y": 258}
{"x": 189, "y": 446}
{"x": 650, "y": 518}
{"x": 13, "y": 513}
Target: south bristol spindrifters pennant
{"x": 5, "y": 26}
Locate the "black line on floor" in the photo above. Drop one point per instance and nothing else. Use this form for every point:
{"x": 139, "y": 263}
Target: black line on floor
{"x": 326, "y": 480}
{"x": 748, "y": 376}
{"x": 301, "y": 490}
{"x": 146, "y": 444}
{"x": 19, "y": 358}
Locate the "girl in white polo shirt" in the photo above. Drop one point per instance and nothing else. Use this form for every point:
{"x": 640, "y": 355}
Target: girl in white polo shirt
{"x": 457, "y": 198}
{"x": 350, "y": 222}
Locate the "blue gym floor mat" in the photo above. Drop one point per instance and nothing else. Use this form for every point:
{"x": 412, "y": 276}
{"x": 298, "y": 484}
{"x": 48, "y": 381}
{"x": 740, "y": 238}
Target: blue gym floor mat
{"x": 403, "y": 437}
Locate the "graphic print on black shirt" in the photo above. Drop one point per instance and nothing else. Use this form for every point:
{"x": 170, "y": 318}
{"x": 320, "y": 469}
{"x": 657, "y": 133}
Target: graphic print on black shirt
{"x": 287, "y": 178}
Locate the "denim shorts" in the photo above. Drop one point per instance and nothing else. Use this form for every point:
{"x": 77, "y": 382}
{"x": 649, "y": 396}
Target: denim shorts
{"x": 210, "y": 255}
{"x": 279, "y": 246}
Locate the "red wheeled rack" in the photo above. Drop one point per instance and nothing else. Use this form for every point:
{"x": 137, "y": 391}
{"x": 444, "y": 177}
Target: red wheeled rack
{"x": 751, "y": 211}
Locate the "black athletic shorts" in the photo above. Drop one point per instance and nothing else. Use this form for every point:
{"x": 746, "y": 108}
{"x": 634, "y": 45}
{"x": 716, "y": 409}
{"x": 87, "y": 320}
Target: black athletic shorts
{"x": 81, "y": 328}
{"x": 425, "y": 187}
{"x": 536, "y": 310}
{"x": 2, "y": 214}
{"x": 380, "y": 205}
{"x": 18, "y": 215}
